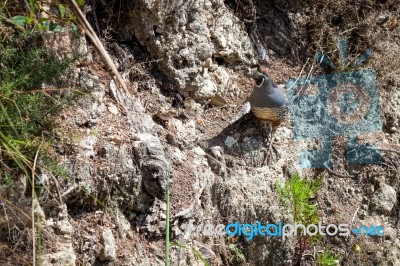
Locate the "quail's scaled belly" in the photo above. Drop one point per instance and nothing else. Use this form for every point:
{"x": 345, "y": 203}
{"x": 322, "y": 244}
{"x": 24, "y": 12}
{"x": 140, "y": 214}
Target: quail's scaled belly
{"x": 268, "y": 114}
{"x": 271, "y": 107}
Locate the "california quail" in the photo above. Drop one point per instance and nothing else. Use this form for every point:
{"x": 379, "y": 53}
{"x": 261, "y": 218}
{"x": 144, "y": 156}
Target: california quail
{"x": 268, "y": 103}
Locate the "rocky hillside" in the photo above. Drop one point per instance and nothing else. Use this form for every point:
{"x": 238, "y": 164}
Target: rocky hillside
{"x": 181, "y": 147}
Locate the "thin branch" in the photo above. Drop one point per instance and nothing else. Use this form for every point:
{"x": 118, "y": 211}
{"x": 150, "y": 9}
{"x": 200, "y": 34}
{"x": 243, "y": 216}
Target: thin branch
{"x": 33, "y": 206}
{"x": 388, "y": 150}
{"x": 45, "y": 90}
{"x": 82, "y": 21}
{"x": 354, "y": 215}
{"x": 16, "y": 207}
{"x": 12, "y": 250}
{"x": 337, "y": 174}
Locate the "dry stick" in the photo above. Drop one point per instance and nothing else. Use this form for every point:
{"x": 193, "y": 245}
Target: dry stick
{"x": 337, "y": 174}
{"x": 58, "y": 187}
{"x": 297, "y": 79}
{"x": 388, "y": 150}
{"x": 354, "y": 215}
{"x": 7, "y": 219}
{"x": 33, "y": 207}
{"x": 12, "y": 250}
{"x": 82, "y": 21}
{"x": 46, "y": 90}
{"x": 15, "y": 207}
{"x": 269, "y": 151}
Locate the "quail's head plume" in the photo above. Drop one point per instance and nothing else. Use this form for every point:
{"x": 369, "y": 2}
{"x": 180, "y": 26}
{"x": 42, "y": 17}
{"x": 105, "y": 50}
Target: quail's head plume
{"x": 268, "y": 101}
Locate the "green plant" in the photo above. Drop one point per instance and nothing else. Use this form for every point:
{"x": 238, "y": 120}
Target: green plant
{"x": 195, "y": 251}
{"x": 327, "y": 259}
{"x": 26, "y": 105}
{"x": 80, "y": 2}
{"x": 238, "y": 254}
{"x": 50, "y": 22}
{"x": 55, "y": 168}
{"x": 8, "y": 181}
{"x": 295, "y": 195}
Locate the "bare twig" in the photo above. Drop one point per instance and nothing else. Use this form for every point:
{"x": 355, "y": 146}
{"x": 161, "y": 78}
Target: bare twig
{"x": 84, "y": 24}
{"x": 15, "y": 207}
{"x": 33, "y": 206}
{"x": 337, "y": 174}
{"x": 12, "y": 251}
{"x": 58, "y": 189}
{"x": 301, "y": 72}
{"x": 46, "y": 90}
{"x": 354, "y": 215}
{"x": 298, "y": 77}
{"x": 388, "y": 150}
{"x": 7, "y": 219}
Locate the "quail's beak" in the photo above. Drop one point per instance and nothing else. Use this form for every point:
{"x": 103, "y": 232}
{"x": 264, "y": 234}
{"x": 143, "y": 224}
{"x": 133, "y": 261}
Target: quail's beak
{"x": 257, "y": 76}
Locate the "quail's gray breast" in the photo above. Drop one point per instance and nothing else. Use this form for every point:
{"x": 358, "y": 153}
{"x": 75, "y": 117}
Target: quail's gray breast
{"x": 269, "y": 103}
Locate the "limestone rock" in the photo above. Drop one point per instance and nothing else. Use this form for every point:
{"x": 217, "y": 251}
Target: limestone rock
{"x": 64, "y": 257}
{"x": 156, "y": 169}
{"x": 187, "y": 36}
{"x": 108, "y": 241}
{"x": 384, "y": 199}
